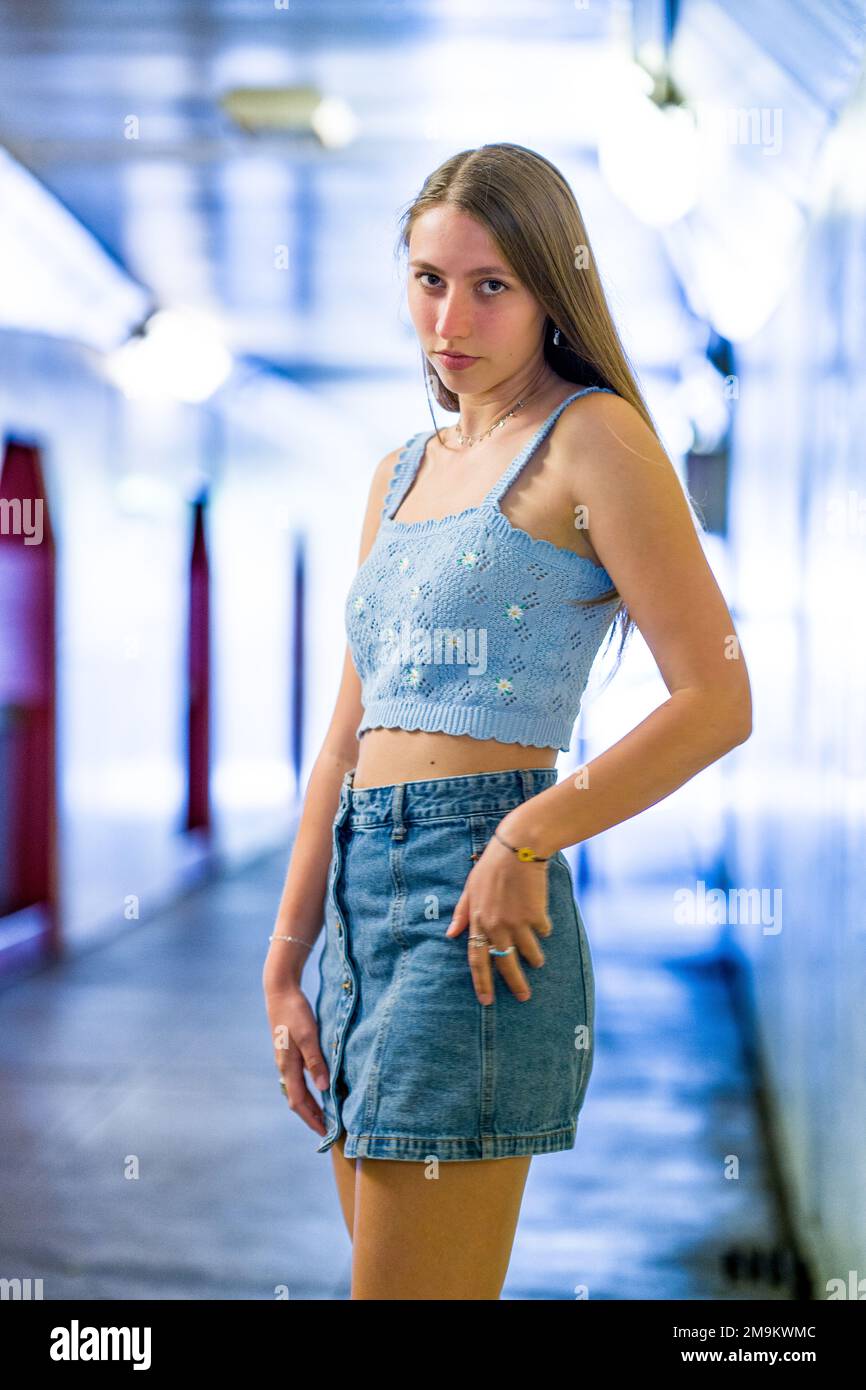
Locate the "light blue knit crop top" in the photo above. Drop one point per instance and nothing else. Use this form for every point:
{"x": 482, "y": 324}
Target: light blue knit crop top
{"x": 463, "y": 623}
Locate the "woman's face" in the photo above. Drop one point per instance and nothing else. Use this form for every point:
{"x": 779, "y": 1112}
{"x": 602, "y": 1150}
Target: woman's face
{"x": 464, "y": 298}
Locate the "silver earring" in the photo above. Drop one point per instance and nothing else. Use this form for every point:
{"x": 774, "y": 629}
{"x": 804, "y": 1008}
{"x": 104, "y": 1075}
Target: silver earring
{"x": 556, "y": 337}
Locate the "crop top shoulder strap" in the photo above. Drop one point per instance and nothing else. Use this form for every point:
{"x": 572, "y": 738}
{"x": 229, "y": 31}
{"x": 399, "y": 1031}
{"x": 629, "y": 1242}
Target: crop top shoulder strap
{"x": 405, "y": 470}
{"x": 413, "y": 451}
{"x": 501, "y": 486}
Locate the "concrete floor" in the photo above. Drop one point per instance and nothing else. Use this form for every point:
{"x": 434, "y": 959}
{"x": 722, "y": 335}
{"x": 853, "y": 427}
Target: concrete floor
{"x": 154, "y": 1050}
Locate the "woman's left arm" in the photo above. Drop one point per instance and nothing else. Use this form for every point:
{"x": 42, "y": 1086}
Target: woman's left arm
{"x": 642, "y": 530}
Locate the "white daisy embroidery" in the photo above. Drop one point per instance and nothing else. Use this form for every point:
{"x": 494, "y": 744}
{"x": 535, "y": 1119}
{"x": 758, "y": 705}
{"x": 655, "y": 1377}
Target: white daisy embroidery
{"x": 468, "y": 559}
{"x": 359, "y": 603}
{"x": 504, "y": 686}
{"x": 403, "y": 564}
{"x": 412, "y": 676}
{"x": 514, "y": 611}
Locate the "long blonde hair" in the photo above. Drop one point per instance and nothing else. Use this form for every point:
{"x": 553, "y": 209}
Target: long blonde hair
{"x": 532, "y": 215}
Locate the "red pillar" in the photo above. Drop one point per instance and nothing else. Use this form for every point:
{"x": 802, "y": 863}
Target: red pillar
{"x": 198, "y": 724}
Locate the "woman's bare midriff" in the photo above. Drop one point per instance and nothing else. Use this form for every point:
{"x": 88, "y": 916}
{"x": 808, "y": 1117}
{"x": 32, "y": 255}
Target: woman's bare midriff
{"x": 388, "y": 756}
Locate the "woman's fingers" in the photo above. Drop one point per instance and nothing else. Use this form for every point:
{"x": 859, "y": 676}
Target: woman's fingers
{"x": 526, "y": 941}
{"x": 460, "y": 919}
{"x": 305, "y": 1036}
{"x": 481, "y": 962}
{"x": 299, "y": 1097}
{"x": 296, "y": 1049}
{"x": 481, "y": 937}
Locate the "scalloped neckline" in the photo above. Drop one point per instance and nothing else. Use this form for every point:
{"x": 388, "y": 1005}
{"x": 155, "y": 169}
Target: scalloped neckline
{"x": 430, "y": 523}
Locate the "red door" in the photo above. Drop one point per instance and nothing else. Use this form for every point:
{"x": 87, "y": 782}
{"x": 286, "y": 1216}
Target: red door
{"x": 28, "y": 807}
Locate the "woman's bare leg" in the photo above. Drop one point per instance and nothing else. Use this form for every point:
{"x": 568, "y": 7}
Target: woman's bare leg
{"x": 419, "y": 1236}
{"x": 344, "y": 1172}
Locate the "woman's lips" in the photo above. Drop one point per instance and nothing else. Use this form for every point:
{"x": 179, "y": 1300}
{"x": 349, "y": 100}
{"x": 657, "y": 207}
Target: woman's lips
{"x": 456, "y": 361}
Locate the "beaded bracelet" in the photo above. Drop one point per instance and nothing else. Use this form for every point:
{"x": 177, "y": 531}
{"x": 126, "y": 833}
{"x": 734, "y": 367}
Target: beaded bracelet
{"x": 525, "y": 853}
{"x": 276, "y": 937}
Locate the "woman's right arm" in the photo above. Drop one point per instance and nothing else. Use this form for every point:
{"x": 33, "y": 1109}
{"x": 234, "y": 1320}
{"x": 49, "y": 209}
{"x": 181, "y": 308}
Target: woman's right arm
{"x": 294, "y": 1029}
{"x": 301, "y": 908}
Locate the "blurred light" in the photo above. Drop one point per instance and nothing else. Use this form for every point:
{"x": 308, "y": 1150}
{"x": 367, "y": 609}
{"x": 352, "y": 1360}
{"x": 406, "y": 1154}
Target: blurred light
{"x": 179, "y": 355}
{"x": 55, "y": 278}
{"x": 334, "y": 122}
{"x": 298, "y": 110}
{"x": 272, "y": 108}
{"x": 649, "y": 155}
{"x": 700, "y": 398}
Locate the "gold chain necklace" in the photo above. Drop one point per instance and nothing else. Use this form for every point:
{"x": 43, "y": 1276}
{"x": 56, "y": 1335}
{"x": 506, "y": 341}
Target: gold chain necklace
{"x": 471, "y": 439}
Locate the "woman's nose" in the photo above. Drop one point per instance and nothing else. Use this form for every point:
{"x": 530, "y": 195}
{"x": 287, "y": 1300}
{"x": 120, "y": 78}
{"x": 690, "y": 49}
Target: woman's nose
{"x": 454, "y": 319}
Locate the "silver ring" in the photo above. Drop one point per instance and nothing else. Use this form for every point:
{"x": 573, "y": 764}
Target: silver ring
{"x": 507, "y": 952}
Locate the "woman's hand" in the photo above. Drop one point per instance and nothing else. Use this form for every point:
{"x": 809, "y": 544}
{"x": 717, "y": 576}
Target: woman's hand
{"x": 295, "y": 1037}
{"x": 505, "y": 900}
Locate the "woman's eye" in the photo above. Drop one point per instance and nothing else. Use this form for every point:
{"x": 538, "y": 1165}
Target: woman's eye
{"x": 421, "y": 274}
{"x": 493, "y": 282}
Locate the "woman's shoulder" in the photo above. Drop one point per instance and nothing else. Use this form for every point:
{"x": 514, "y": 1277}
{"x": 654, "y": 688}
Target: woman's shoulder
{"x": 391, "y": 469}
{"x": 598, "y": 421}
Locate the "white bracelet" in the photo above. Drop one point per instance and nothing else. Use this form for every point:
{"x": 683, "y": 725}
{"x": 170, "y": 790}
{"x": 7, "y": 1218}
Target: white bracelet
{"x": 275, "y": 937}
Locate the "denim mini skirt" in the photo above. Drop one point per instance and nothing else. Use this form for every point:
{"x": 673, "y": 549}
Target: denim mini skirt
{"x": 419, "y": 1068}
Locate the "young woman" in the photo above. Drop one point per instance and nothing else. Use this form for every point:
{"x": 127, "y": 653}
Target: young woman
{"x": 495, "y": 556}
